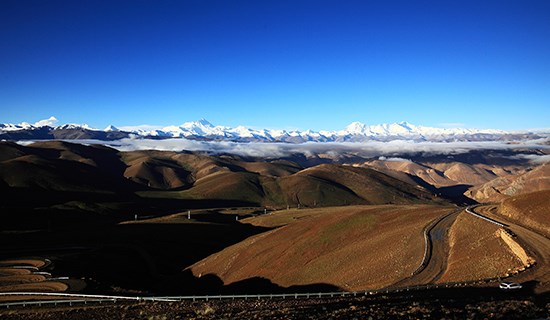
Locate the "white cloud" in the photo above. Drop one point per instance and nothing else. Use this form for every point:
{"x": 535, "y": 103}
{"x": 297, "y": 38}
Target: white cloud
{"x": 393, "y": 159}
{"x": 533, "y": 158}
{"x": 51, "y": 122}
{"x": 390, "y": 150}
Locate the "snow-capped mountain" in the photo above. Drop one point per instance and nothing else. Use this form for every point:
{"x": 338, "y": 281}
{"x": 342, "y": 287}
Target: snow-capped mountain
{"x": 204, "y": 130}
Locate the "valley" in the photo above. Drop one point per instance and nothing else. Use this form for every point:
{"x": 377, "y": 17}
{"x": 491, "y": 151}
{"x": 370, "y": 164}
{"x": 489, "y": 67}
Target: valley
{"x": 161, "y": 223}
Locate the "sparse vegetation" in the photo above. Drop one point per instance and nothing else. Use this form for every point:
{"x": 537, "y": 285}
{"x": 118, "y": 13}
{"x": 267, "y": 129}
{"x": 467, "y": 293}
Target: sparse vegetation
{"x": 152, "y": 222}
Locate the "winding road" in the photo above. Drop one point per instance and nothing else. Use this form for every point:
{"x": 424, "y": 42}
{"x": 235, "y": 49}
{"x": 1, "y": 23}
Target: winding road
{"x": 434, "y": 262}
{"x": 534, "y": 243}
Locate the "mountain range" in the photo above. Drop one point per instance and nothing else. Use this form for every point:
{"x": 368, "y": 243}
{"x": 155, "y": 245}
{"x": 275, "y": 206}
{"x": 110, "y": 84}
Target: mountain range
{"x": 204, "y": 130}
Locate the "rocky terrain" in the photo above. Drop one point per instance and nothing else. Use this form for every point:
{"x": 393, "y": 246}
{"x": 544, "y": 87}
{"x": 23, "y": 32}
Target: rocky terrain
{"x": 436, "y": 305}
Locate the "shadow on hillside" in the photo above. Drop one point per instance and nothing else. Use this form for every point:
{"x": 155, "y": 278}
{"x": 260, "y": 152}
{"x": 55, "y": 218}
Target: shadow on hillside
{"x": 38, "y": 209}
{"x": 142, "y": 257}
{"x": 211, "y": 284}
{"x": 456, "y": 194}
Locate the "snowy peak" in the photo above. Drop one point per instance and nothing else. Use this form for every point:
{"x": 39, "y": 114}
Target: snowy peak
{"x": 405, "y": 129}
{"x": 73, "y": 126}
{"x": 355, "y": 128}
{"x": 392, "y": 129}
{"x": 111, "y": 128}
{"x": 202, "y": 123}
{"x": 204, "y": 130}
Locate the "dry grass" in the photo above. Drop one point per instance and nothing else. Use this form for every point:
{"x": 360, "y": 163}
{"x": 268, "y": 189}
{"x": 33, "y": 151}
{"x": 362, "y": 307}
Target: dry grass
{"x": 20, "y": 279}
{"x": 513, "y": 185}
{"x": 11, "y": 271}
{"x": 477, "y": 251}
{"x": 444, "y": 174}
{"x": 354, "y": 248}
{"x": 532, "y": 210}
{"x": 38, "y": 263}
{"x": 45, "y": 286}
{"x": 14, "y": 279}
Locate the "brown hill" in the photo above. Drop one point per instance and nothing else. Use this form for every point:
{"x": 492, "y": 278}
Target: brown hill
{"x": 370, "y": 185}
{"x": 168, "y": 170}
{"x": 68, "y": 167}
{"x": 10, "y": 150}
{"x": 62, "y": 166}
{"x": 429, "y": 175}
{"x": 530, "y": 209}
{"x": 501, "y": 188}
{"x": 349, "y": 247}
{"x": 160, "y": 173}
{"x": 445, "y": 173}
{"x": 463, "y": 173}
{"x": 322, "y": 185}
{"x": 478, "y": 251}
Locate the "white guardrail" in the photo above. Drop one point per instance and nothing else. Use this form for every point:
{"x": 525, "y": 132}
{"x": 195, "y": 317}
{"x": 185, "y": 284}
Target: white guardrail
{"x": 74, "y": 298}
{"x": 502, "y": 225}
{"x": 83, "y": 299}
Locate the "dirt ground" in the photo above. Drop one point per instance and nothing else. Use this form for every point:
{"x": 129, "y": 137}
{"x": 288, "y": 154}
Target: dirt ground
{"x": 460, "y": 304}
{"x": 475, "y": 246}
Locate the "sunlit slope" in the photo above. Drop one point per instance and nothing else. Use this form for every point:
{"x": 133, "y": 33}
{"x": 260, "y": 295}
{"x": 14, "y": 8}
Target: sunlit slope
{"x": 354, "y": 247}
{"x": 429, "y": 175}
{"x": 478, "y": 250}
{"x": 319, "y": 186}
{"x": 499, "y": 189}
{"x": 445, "y": 173}
{"x": 67, "y": 167}
{"x": 530, "y": 209}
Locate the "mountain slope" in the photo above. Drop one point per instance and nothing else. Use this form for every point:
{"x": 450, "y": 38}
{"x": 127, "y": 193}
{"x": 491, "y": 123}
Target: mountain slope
{"x": 67, "y": 167}
{"x": 348, "y": 247}
{"x": 62, "y": 166}
{"x": 501, "y": 188}
{"x": 323, "y": 185}
{"x": 530, "y": 209}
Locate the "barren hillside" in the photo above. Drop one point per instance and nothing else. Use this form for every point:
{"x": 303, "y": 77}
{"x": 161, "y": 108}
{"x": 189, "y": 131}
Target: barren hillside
{"x": 354, "y": 248}
{"x": 530, "y": 209}
{"x": 504, "y": 187}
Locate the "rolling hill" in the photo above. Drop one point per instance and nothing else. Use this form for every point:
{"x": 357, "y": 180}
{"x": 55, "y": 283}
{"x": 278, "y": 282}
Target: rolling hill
{"x": 496, "y": 190}
{"x": 55, "y": 173}
{"x": 353, "y": 247}
{"x": 531, "y": 209}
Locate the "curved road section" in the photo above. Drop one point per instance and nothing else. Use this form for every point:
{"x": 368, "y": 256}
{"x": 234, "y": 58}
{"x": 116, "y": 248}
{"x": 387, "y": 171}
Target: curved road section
{"x": 536, "y": 244}
{"x": 434, "y": 262}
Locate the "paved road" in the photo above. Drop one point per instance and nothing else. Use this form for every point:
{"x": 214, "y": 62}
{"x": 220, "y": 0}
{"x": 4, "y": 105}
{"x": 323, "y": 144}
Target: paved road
{"x": 536, "y": 245}
{"x": 437, "y": 252}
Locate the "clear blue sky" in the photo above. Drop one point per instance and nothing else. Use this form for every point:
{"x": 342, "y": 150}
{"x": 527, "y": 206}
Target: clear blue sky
{"x": 276, "y": 64}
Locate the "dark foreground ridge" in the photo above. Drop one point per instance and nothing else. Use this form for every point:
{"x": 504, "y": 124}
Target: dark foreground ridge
{"x": 452, "y": 303}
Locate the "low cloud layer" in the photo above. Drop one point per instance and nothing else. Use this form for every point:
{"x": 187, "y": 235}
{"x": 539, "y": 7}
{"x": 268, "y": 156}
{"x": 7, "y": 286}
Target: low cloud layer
{"x": 365, "y": 149}
{"x": 533, "y": 158}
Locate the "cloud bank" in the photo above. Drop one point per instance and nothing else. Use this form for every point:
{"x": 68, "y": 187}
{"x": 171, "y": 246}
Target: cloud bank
{"x": 389, "y": 149}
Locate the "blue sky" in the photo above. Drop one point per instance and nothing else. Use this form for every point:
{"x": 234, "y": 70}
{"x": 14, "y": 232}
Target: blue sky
{"x": 276, "y": 64}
